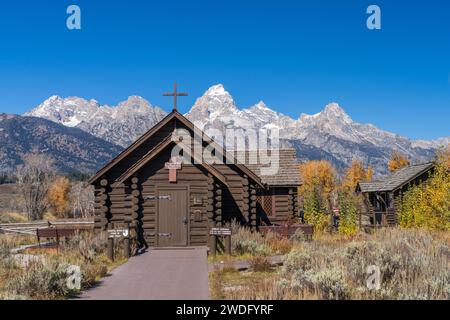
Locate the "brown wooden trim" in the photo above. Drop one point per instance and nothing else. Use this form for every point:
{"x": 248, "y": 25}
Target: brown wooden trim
{"x": 132, "y": 147}
{"x": 155, "y": 151}
{"x": 149, "y": 156}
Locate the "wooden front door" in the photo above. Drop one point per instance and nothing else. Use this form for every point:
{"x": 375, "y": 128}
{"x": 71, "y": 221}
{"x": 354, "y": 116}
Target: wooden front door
{"x": 172, "y": 216}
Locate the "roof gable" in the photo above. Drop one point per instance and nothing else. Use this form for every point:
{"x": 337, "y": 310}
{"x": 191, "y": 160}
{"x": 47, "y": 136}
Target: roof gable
{"x": 174, "y": 115}
{"x": 163, "y": 145}
{"x": 396, "y": 179}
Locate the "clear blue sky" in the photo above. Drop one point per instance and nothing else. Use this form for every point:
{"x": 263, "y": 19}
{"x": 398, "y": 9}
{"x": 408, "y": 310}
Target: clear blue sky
{"x": 295, "y": 55}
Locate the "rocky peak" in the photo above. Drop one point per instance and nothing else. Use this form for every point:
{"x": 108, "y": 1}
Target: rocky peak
{"x": 334, "y": 112}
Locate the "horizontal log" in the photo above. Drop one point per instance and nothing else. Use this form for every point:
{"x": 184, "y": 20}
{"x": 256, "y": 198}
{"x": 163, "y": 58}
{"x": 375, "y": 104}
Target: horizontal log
{"x": 201, "y": 233}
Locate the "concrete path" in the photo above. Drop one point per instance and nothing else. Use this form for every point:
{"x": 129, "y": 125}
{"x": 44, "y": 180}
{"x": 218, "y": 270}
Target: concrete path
{"x": 172, "y": 274}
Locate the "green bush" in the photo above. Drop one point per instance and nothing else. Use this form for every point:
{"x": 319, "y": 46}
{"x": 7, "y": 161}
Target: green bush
{"x": 297, "y": 260}
{"x": 347, "y": 214}
{"x": 245, "y": 241}
{"x": 330, "y": 283}
{"x": 41, "y": 281}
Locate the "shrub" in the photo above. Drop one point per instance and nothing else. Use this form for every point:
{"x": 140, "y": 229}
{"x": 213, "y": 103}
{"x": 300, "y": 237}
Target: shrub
{"x": 298, "y": 236}
{"x": 91, "y": 273}
{"x": 88, "y": 245}
{"x": 297, "y": 260}
{"x": 41, "y": 281}
{"x": 347, "y": 214}
{"x": 245, "y": 241}
{"x": 330, "y": 283}
{"x": 260, "y": 263}
{"x": 315, "y": 211}
{"x": 413, "y": 264}
{"x": 428, "y": 206}
{"x": 277, "y": 243}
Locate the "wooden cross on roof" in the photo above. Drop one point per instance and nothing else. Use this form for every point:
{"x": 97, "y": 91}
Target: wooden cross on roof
{"x": 175, "y": 96}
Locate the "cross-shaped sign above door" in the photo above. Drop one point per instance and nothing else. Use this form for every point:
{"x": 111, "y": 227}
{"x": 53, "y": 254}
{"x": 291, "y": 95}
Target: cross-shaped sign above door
{"x": 173, "y": 165}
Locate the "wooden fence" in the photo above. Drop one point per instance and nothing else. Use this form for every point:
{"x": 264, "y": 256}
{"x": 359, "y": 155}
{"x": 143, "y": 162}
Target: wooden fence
{"x": 29, "y": 228}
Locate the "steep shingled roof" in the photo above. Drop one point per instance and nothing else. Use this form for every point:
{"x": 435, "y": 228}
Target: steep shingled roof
{"x": 282, "y": 170}
{"x": 396, "y": 179}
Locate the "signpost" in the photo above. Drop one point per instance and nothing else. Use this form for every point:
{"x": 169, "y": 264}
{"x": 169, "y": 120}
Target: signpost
{"x": 221, "y": 232}
{"x": 119, "y": 233}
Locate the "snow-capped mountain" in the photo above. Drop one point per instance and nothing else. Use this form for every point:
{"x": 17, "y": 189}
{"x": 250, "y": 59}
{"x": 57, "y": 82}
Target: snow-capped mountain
{"x": 330, "y": 134}
{"x": 121, "y": 124}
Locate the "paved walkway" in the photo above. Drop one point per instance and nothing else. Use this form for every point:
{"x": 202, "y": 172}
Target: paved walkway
{"x": 172, "y": 274}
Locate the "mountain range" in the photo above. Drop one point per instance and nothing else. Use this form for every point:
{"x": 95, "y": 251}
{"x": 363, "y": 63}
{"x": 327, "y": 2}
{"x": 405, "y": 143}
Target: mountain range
{"x": 73, "y": 150}
{"x": 330, "y": 134}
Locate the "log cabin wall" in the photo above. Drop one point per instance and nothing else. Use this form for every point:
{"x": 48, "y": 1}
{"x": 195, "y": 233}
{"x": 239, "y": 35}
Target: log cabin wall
{"x": 233, "y": 196}
{"x": 277, "y": 205}
{"x": 193, "y": 176}
{"x": 102, "y": 205}
{"x": 127, "y": 189}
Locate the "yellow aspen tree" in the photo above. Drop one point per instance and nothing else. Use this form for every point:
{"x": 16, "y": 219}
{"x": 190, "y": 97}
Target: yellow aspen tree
{"x": 397, "y": 161}
{"x": 356, "y": 173}
{"x": 319, "y": 181}
{"x": 58, "y": 196}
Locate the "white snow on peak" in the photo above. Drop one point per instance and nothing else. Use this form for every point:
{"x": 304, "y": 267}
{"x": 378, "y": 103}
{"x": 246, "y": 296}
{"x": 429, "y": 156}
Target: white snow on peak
{"x": 330, "y": 132}
{"x": 217, "y": 89}
{"x": 121, "y": 124}
{"x": 261, "y": 105}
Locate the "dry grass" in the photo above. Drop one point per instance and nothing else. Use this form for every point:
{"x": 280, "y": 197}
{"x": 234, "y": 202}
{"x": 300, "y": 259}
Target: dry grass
{"x": 248, "y": 242}
{"x": 14, "y": 241}
{"x": 414, "y": 264}
{"x": 12, "y": 217}
{"x": 46, "y": 277}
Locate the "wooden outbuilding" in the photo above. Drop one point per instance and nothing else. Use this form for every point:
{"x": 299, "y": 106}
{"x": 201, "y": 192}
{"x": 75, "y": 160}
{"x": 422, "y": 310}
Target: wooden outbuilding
{"x": 383, "y": 198}
{"x": 176, "y": 200}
